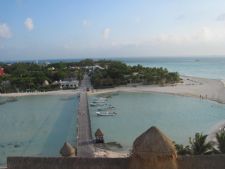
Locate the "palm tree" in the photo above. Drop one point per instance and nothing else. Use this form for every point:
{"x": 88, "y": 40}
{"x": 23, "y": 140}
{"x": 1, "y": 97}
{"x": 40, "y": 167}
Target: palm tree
{"x": 182, "y": 150}
{"x": 221, "y": 141}
{"x": 199, "y": 145}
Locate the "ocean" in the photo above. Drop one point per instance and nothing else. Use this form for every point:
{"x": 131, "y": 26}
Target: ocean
{"x": 206, "y": 67}
{"x": 36, "y": 125}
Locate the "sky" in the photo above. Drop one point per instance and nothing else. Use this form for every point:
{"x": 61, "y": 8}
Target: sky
{"x": 50, "y": 29}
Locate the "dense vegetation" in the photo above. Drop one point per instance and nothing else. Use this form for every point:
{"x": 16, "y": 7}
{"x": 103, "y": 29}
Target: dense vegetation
{"x": 199, "y": 145}
{"x": 117, "y": 73}
{"x": 20, "y": 77}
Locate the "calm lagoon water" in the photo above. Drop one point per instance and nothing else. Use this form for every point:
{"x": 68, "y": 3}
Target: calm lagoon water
{"x": 36, "y": 125}
{"x": 178, "y": 117}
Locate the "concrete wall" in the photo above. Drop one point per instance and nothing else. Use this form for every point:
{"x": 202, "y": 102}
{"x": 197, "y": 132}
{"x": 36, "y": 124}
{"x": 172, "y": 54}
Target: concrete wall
{"x": 66, "y": 163}
{"x": 201, "y": 162}
{"x": 183, "y": 162}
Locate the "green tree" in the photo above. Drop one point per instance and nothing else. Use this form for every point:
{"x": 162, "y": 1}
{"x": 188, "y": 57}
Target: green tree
{"x": 86, "y": 62}
{"x": 117, "y": 70}
{"x": 181, "y": 150}
{"x": 220, "y": 137}
{"x": 199, "y": 144}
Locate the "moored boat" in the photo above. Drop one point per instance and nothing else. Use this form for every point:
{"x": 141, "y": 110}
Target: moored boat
{"x": 105, "y": 108}
{"x": 93, "y": 104}
{"x": 107, "y": 113}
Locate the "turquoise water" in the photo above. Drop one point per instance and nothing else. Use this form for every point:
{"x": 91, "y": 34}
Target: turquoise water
{"x": 36, "y": 125}
{"x": 210, "y": 67}
{"x": 39, "y": 125}
{"x": 178, "y": 117}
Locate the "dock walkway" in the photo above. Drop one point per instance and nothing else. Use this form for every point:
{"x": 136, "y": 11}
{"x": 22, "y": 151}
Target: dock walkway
{"x": 85, "y": 146}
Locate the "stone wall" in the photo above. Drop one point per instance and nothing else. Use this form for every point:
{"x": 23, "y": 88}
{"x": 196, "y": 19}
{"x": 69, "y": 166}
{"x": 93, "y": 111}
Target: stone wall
{"x": 183, "y": 162}
{"x": 151, "y": 150}
{"x": 66, "y": 163}
{"x": 201, "y": 162}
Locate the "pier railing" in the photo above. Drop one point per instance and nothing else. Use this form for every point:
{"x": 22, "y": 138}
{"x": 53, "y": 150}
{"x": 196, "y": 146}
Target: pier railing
{"x": 89, "y": 118}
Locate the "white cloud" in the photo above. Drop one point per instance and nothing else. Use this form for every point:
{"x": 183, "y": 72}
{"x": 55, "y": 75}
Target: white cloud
{"x": 206, "y": 40}
{"x": 180, "y": 17}
{"x": 137, "y": 19}
{"x": 5, "y": 31}
{"x": 203, "y": 41}
{"x": 86, "y": 23}
{"x": 106, "y": 33}
{"x": 205, "y": 34}
{"x": 29, "y": 24}
{"x": 199, "y": 36}
{"x": 221, "y": 17}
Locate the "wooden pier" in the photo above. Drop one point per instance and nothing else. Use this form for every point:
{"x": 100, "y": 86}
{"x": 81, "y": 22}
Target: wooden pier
{"x": 85, "y": 146}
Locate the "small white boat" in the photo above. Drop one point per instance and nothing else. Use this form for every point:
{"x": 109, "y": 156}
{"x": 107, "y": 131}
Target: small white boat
{"x": 93, "y": 104}
{"x": 100, "y": 100}
{"x": 105, "y": 108}
{"x": 107, "y": 113}
{"x": 111, "y": 107}
{"x": 101, "y": 108}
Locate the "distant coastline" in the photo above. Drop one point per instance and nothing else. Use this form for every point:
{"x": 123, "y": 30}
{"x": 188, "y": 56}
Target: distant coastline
{"x": 211, "y": 66}
{"x": 210, "y": 89}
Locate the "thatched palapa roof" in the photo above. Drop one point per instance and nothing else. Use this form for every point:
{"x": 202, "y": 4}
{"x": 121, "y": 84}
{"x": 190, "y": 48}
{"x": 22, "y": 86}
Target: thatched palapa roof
{"x": 67, "y": 150}
{"x": 153, "y": 142}
{"x": 98, "y": 133}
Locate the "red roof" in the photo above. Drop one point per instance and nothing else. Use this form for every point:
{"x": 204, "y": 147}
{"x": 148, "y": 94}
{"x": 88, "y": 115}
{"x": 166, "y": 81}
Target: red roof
{"x": 2, "y": 71}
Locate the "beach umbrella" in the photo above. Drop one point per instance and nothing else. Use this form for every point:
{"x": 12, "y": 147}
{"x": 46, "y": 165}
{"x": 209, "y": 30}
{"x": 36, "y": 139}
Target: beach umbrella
{"x": 153, "y": 141}
{"x": 98, "y": 133}
{"x": 68, "y": 150}
{"x": 99, "y": 136}
{"x": 153, "y": 148}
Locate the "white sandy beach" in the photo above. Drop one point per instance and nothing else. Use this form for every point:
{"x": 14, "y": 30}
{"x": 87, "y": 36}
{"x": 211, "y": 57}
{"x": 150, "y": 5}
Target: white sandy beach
{"x": 51, "y": 93}
{"x": 110, "y": 154}
{"x": 192, "y": 86}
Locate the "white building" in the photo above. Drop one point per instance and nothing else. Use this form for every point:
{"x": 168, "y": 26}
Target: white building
{"x": 68, "y": 84}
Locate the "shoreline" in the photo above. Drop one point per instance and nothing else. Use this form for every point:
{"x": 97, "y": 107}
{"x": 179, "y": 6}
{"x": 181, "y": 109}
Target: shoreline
{"x": 210, "y": 89}
{"x": 202, "y": 88}
{"x": 51, "y": 93}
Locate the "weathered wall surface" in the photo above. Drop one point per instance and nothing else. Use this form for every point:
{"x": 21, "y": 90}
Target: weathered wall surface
{"x": 201, "y": 162}
{"x": 66, "y": 163}
{"x": 183, "y": 162}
